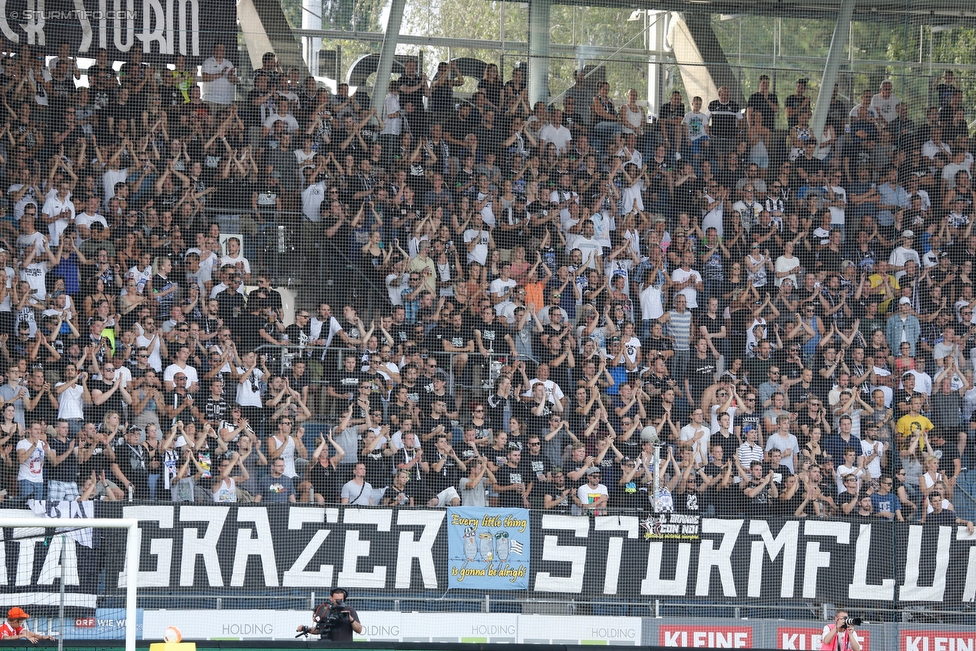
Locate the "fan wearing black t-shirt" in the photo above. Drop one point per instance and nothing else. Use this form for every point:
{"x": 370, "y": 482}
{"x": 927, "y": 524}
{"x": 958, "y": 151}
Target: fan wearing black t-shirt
{"x": 488, "y": 333}
{"x": 758, "y": 491}
{"x": 700, "y": 372}
{"x": 715, "y": 477}
{"x": 346, "y": 382}
{"x": 432, "y": 425}
{"x": 630, "y": 491}
{"x": 512, "y": 485}
{"x": 299, "y": 333}
{"x": 558, "y": 496}
{"x": 689, "y": 497}
{"x": 446, "y": 469}
{"x": 322, "y": 475}
{"x": 725, "y": 118}
{"x": 459, "y": 340}
{"x": 536, "y": 463}
{"x": 781, "y": 476}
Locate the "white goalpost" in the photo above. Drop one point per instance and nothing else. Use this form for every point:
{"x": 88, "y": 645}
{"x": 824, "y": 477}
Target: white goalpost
{"x": 131, "y": 556}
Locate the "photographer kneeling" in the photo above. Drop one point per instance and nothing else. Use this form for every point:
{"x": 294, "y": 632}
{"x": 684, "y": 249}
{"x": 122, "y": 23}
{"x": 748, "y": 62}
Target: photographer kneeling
{"x": 335, "y": 621}
{"x": 840, "y": 636}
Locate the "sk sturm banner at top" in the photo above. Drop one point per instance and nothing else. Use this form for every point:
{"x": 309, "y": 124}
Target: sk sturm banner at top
{"x": 161, "y": 29}
{"x": 488, "y": 549}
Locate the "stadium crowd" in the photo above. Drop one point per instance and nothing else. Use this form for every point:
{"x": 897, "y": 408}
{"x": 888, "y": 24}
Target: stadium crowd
{"x": 542, "y": 295}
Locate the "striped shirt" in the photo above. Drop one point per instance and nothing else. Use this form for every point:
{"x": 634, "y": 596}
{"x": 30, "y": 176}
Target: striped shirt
{"x": 749, "y": 453}
{"x": 679, "y": 327}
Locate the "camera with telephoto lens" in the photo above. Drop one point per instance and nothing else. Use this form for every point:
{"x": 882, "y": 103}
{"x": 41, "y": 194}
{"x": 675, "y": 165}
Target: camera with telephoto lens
{"x": 851, "y": 621}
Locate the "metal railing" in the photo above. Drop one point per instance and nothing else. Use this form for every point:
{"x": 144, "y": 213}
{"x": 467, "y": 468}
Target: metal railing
{"x": 285, "y": 354}
{"x": 284, "y": 249}
{"x": 502, "y": 602}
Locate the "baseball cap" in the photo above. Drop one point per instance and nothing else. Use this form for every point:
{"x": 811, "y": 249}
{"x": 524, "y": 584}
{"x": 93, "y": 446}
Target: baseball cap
{"x": 17, "y": 613}
{"x": 908, "y": 234}
{"x": 904, "y": 300}
{"x": 592, "y": 470}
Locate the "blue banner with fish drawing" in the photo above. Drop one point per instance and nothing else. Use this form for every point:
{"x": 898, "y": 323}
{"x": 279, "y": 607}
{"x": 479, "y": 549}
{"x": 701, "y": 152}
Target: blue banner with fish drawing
{"x": 488, "y": 549}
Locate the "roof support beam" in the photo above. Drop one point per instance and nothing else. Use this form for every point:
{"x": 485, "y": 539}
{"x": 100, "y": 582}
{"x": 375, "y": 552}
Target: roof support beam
{"x": 387, "y": 51}
{"x": 538, "y": 82}
{"x": 266, "y": 29}
{"x": 703, "y": 64}
{"x": 563, "y": 49}
{"x": 835, "y": 55}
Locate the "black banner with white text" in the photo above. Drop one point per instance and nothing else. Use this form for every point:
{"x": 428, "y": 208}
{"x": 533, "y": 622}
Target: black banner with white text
{"x": 254, "y": 549}
{"x": 159, "y": 28}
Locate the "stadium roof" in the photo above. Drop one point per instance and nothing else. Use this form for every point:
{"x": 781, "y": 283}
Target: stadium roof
{"x": 926, "y": 12}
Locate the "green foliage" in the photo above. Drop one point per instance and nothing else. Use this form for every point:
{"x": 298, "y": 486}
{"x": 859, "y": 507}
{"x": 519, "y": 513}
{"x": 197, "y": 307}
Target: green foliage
{"x": 881, "y": 50}
{"x": 581, "y": 27}
{"x": 586, "y": 27}
{"x": 953, "y": 48}
{"x": 361, "y": 15}
{"x": 469, "y": 19}
{"x": 346, "y": 15}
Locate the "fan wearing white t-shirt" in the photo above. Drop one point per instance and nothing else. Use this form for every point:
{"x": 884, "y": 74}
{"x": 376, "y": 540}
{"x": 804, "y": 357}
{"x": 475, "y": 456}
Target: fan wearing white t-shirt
{"x": 554, "y": 394}
{"x": 219, "y": 77}
{"x": 501, "y": 289}
{"x": 234, "y": 257}
{"x": 686, "y": 281}
{"x": 31, "y": 451}
{"x": 477, "y": 240}
{"x": 72, "y": 396}
{"x": 556, "y": 133}
{"x": 182, "y": 364}
{"x": 591, "y": 249}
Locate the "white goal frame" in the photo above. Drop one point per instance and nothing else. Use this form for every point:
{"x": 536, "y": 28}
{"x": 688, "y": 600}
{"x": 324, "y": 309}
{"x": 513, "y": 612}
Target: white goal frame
{"x": 131, "y": 555}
